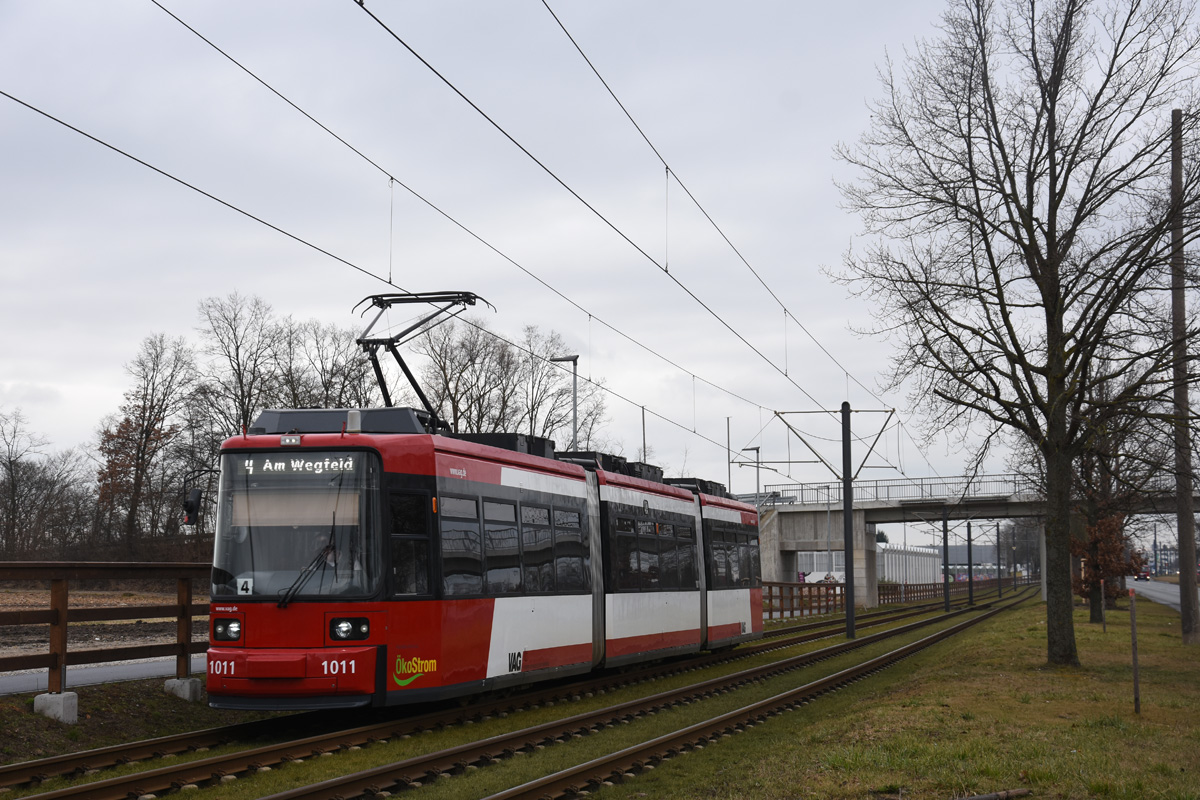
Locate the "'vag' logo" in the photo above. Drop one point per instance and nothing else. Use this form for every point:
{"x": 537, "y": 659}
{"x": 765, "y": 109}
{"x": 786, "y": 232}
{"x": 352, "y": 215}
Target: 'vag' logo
{"x": 412, "y": 668}
{"x": 514, "y": 662}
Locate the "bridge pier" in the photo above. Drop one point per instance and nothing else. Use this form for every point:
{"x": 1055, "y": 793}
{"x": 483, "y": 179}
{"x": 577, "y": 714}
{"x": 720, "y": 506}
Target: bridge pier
{"x": 805, "y": 538}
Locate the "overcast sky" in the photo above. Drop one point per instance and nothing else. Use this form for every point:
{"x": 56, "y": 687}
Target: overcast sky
{"x": 745, "y": 101}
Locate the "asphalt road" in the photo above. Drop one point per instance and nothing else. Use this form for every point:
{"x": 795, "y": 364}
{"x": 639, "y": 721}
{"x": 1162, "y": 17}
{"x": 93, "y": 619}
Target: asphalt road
{"x": 36, "y": 680}
{"x": 1165, "y": 593}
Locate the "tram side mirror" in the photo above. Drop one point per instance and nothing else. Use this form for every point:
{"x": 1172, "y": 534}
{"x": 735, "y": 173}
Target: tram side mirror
{"x": 191, "y": 506}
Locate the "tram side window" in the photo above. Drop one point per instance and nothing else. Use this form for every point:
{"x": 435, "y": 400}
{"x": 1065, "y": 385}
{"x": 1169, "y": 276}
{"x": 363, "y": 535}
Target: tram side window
{"x": 734, "y": 559}
{"x": 462, "y": 550}
{"x": 502, "y": 549}
{"x": 570, "y": 550}
{"x": 745, "y": 567}
{"x": 718, "y": 558}
{"x": 648, "y": 554}
{"x": 409, "y": 543}
{"x": 685, "y": 552}
{"x": 755, "y": 563}
{"x": 537, "y": 543}
{"x": 668, "y": 557}
{"x": 626, "y": 568}
{"x": 410, "y": 566}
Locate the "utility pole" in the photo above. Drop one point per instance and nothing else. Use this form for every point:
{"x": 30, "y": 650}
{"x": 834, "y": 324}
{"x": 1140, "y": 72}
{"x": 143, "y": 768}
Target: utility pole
{"x": 1189, "y": 605}
{"x": 574, "y": 397}
{"x": 1155, "y": 573}
{"x": 757, "y": 466}
{"x": 946, "y": 556}
{"x": 729, "y": 459}
{"x": 970, "y": 569}
{"x": 1014, "y": 558}
{"x": 999, "y": 579}
{"x": 848, "y": 517}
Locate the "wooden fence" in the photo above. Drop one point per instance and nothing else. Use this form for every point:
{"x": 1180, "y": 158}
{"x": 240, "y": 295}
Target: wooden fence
{"x": 60, "y": 574}
{"x": 785, "y": 600}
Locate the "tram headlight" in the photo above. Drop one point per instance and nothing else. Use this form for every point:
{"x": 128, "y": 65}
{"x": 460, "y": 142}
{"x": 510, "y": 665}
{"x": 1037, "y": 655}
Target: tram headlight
{"x": 349, "y": 628}
{"x": 227, "y": 630}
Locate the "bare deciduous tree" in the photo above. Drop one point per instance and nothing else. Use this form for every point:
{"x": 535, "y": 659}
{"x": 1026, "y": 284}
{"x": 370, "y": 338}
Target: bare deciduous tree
{"x": 1015, "y": 188}
{"x": 45, "y": 498}
{"x": 242, "y": 341}
{"x": 134, "y": 476}
{"x": 482, "y": 384}
{"x": 321, "y": 366}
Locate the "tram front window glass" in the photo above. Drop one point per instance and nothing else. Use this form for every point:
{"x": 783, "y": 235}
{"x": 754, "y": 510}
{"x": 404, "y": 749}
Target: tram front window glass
{"x": 296, "y": 525}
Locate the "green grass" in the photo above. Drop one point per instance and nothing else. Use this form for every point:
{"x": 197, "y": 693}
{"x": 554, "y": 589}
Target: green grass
{"x": 977, "y": 715}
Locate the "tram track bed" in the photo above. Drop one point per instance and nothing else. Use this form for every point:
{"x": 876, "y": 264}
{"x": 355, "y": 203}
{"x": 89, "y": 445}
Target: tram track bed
{"x": 109, "y": 707}
{"x": 667, "y": 686}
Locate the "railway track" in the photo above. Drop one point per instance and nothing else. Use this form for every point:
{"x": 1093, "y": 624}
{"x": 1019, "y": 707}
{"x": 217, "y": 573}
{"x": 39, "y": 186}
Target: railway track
{"x": 92, "y": 761}
{"x": 210, "y": 770}
{"x": 626, "y": 763}
{"x": 25, "y": 773}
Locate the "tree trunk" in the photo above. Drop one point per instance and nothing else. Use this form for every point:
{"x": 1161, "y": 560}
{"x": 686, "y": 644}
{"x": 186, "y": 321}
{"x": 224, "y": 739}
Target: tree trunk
{"x": 1095, "y": 594}
{"x": 1060, "y": 623}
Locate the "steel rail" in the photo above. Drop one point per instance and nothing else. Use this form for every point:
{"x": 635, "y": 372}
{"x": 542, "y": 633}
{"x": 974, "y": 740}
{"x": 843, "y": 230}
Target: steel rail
{"x": 223, "y": 767}
{"x": 415, "y": 771}
{"x": 26, "y": 772}
{"x": 41, "y": 770}
{"x": 618, "y": 766}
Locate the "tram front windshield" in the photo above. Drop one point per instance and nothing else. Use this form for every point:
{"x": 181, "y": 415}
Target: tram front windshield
{"x": 296, "y": 525}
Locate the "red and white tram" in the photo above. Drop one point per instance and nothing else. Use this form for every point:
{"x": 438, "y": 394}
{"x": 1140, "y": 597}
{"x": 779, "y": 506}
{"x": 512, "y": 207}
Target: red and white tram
{"x": 361, "y": 560}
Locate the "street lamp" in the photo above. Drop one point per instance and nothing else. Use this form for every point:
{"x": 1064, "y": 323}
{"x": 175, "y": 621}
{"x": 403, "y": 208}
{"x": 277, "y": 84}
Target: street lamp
{"x": 574, "y": 396}
{"x": 757, "y": 467}
{"x": 1014, "y": 559}
{"x": 1156, "y": 571}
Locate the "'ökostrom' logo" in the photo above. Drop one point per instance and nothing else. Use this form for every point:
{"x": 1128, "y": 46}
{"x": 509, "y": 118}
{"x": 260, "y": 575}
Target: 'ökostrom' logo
{"x": 412, "y": 668}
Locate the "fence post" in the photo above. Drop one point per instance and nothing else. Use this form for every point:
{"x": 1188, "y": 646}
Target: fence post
{"x": 1137, "y": 688}
{"x": 57, "y": 679}
{"x": 183, "y": 628}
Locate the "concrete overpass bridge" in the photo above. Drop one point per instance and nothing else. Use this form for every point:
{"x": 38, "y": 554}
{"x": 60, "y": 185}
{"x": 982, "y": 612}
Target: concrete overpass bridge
{"x": 912, "y": 499}
{"x": 801, "y": 524}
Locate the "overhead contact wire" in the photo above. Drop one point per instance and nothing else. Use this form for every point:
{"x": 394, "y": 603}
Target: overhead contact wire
{"x": 585, "y": 203}
{"x": 194, "y": 188}
{"x": 447, "y": 216}
{"x": 319, "y": 249}
{"x": 673, "y": 174}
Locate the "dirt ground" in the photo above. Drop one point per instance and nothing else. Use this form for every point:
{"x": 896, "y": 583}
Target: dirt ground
{"x": 31, "y": 639}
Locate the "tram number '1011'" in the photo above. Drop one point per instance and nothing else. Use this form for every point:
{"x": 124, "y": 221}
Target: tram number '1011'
{"x": 335, "y": 667}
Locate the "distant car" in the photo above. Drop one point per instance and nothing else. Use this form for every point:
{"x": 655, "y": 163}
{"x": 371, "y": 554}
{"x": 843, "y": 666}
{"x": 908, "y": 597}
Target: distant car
{"x": 1143, "y": 576}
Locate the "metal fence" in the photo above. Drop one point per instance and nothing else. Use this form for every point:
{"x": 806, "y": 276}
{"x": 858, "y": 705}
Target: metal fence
{"x": 897, "y": 489}
{"x": 891, "y": 593}
{"x": 60, "y": 574}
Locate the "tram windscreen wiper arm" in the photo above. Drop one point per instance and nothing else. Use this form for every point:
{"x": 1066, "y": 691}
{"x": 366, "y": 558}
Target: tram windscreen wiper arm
{"x": 308, "y": 570}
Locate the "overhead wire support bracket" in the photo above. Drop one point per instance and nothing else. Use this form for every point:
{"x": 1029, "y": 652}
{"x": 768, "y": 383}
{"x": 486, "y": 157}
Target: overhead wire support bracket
{"x": 889, "y": 411}
{"x": 371, "y": 345}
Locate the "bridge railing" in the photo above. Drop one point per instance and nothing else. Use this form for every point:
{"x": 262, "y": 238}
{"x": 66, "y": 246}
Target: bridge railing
{"x": 59, "y": 574}
{"x": 899, "y": 489}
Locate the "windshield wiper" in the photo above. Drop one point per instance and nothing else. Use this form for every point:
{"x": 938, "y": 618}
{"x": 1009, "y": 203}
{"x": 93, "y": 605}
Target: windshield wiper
{"x": 310, "y": 569}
